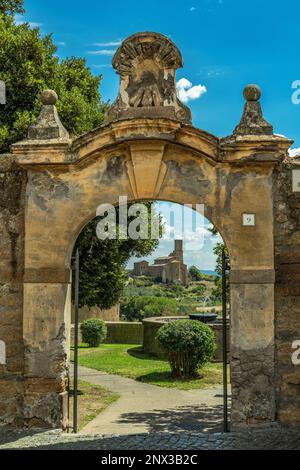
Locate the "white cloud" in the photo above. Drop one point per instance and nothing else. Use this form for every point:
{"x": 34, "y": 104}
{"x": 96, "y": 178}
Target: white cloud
{"x": 102, "y": 66}
{"x": 186, "y": 91}
{"x": 105, "y": 52}
{"x": 61, "y": 43}
{"x": 108, "y": 44}
{"x": 32, "y": 24}
{"x": 294, "y": 152}
{"x": 20, "y": 20}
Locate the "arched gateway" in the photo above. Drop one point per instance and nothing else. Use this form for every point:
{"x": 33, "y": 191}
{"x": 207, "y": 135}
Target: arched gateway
{"x": 148, "y": 149}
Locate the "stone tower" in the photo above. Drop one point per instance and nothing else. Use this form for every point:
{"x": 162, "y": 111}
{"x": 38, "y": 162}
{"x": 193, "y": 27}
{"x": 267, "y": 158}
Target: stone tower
{"x": 178, "y": 252}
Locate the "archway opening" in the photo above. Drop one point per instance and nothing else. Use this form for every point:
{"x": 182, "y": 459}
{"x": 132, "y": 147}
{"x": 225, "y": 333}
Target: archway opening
{"x": 171, "y": 272}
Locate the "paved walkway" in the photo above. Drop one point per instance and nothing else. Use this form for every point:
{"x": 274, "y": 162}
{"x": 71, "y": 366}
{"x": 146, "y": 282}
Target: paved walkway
{"x": 144, "y": 408}
{"x": 255, "y": 439}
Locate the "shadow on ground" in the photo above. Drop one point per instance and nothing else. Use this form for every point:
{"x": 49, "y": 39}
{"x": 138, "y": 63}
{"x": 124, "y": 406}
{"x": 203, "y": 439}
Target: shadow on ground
{"x": 201, "y": 418}
{"x": 140, "y": 354}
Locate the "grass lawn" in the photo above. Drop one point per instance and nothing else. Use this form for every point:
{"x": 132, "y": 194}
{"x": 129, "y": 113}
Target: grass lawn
{"x": 92, "y": 399}
{"x": 130, "y": 361}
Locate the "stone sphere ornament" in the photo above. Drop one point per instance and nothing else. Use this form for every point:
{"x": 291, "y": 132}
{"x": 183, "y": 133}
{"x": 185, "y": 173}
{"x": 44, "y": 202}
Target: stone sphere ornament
{"x": 49, "y": 97}
{"x": 252, "y": 92}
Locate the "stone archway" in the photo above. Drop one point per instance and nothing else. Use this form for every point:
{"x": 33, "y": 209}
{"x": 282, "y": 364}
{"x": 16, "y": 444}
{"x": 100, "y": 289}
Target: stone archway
{"x": 147, "y": 149}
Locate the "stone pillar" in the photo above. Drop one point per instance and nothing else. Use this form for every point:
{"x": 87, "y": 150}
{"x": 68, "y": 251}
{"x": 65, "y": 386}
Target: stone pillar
{"x": 12, "y": 197}
{"x": 47, "y": 292}
{"x": 287, "y": 292}
{"x": 253, "y": 275}
{"x": 47, "y": 312}
{"x": 252, "y": 347}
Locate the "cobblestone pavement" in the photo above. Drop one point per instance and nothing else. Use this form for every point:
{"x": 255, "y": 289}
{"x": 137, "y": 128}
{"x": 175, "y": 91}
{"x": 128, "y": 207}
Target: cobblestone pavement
{"x": 267, "y": 438}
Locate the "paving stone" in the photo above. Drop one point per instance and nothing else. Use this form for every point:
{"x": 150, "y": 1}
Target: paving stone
{"x": 272, "y": 438}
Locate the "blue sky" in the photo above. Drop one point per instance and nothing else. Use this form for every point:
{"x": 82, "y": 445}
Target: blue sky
{"x": 225, "y": 44}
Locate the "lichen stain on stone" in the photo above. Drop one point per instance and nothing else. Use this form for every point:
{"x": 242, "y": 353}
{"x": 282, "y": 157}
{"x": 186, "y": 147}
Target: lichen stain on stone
{"x": 115, "y": 169}
{"x": 44, "y": 189}
{"x": 50, "y": 355}
{"x": 14, "y": 260}
{"x": 233, "y": 180}
{"x": 189, "y": 177}
{"x": 11, "y": 184}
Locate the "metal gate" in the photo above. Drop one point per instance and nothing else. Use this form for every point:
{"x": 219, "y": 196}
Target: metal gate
{"x": 225, "y": 281}
{"x": 73, "y": 387}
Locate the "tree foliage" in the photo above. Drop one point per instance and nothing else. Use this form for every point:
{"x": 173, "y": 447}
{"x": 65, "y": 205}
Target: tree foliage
{"x": 29, "y": 65}
{"x": 195, "y": 273}
{"x": 138, "y": 307}
{"x": 217, "y": 292}
{"x": 11, "y": 7}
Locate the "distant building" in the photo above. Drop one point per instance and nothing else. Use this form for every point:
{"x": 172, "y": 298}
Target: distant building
{"x": 166, "y": 269}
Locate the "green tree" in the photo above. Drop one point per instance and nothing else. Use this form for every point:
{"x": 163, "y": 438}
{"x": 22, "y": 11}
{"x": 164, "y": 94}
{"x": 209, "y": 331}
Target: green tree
{"x": 103, "y": 274}
{"x": 29, "y": 65}
{"x": 218, "y": 251}
{"x": 195, "y": 273}
{"x": 10, "y": 7}
{"x": 138, "y": 307}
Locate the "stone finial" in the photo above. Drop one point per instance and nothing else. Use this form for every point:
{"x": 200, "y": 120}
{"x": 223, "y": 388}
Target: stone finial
{"x": 147, "y": 64}
{"x": 48, "y": 125}
{"x": 49, "y": 97}
{"x": 253, "y": 122}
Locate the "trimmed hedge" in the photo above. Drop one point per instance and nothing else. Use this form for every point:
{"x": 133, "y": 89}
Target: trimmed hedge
{"x": 93, "y": 332}
{"x": 188, "y": 344}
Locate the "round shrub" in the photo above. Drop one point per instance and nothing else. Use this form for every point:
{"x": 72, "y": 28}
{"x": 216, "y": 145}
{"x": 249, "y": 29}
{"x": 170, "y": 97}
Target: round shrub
{"x": 188, "y": 344}
{"x": 93, "y": 332}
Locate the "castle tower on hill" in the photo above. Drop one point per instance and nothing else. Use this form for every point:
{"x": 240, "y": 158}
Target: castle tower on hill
{"x": 178, "y": 252}
{"x": 166, "y": 269}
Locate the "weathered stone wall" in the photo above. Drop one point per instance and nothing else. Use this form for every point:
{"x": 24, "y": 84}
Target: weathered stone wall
{"x": 119, "y": 332}
{"x": 111, "y": 314}
{"x": 124, "y": 332}
{"x": 287, "y": 292}
{"x": 12, "y": 188}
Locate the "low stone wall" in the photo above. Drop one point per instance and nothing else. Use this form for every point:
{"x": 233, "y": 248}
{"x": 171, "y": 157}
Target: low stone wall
{"x": 124, "y": 332}
{"x": 151, "y": 345}
{"x": 120, "y": 333}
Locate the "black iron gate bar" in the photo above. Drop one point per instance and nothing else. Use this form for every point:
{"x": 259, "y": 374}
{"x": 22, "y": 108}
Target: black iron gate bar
{"x": 225, "y": 270}
{"x": 74, "y": 427}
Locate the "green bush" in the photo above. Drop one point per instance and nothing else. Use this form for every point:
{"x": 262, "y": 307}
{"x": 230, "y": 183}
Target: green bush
{"x": 188, "y": 345}
{"x": 138, "y": 307}
{"x": 93, "y": 331}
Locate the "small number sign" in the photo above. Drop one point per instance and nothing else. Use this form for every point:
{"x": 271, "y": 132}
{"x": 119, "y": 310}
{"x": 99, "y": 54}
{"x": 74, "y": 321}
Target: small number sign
{"x": 248, "y": 220}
